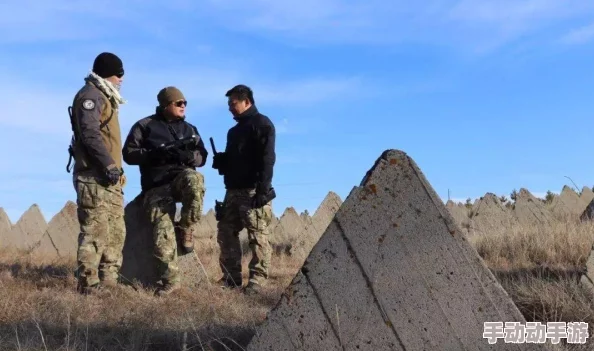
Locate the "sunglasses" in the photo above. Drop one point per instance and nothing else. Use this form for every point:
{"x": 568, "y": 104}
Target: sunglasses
{"x": 120, "y": 75}
{"x": 180, "y": 103}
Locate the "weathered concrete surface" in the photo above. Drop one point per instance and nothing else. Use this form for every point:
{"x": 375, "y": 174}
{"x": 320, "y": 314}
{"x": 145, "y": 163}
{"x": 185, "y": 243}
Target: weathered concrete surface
{"x": 27, "y": 231}
{"x": 461, "y": 215}
{"x": 305, "y": 240}
{"x": 489, "y": 215}
{"x": 286, "y": 232}
{"x": 5, "y": 225}
{"x": 530, "y": 211}
{"x": 587, "y": 195}
{"x": 588, "y": 213}
{"x": 61, "y": 235}
{"x": 567, "y": 205}
{"x": 138, "y": 264}
{"x": 302, "y": 238}
{"x": 325, "y": 212}
{"x": 391, "y": 272}
{"x": 305, "y": 216}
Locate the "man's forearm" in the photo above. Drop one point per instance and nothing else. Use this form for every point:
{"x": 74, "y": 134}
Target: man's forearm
{"x": 135, "y": 156}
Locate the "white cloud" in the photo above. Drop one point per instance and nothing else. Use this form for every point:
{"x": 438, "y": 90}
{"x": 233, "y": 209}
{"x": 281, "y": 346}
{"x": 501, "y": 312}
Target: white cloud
{"x": 42, "y": 107}
{"x": 476, "y": 24}
{"x": 309, "y": 90}
{"x": 580, "y": 35}
{"x": 58, "y": 20}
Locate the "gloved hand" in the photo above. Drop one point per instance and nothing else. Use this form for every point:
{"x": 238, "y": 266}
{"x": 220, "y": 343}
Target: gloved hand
{"x": 179, "y": 155}
{"x": 218, "y": 160}
{"x": 113, "y": 174}
{"x": 158, "y": 155}
{"x": 259, "y": 200}
{"x": 261, "y": 197}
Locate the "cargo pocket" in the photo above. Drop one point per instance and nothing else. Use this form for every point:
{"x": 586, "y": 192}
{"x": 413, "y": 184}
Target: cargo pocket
{"x": 87, "y": 194}
{"x": 267, "y": 218}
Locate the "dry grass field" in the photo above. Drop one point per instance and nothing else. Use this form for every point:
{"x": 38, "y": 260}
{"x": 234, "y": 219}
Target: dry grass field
{"x": 40, "y": 310}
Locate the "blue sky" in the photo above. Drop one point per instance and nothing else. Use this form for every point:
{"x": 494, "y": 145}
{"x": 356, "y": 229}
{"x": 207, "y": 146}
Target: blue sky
{"x": 486, "y": 96}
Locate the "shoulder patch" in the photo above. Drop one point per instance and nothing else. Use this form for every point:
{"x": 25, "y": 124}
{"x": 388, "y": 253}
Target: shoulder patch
{"x": 88, "y": 104}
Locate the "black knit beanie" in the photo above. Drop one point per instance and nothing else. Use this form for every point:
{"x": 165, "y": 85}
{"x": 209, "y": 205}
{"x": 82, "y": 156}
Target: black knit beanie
{"x": 107, "y": 64}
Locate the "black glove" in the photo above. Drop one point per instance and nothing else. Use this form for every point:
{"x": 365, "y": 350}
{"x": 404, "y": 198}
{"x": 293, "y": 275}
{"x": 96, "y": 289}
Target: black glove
{"x": 263, "y": 195}
{"x": 259, "y": 200}
{"x": 179, "y": 155}
{"x": 113, "y": 175}
{"x": 218, "y": 160}
{"x": 158, "y": 155}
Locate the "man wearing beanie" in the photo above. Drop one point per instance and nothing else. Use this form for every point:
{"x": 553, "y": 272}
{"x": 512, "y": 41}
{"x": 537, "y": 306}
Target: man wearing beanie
{"x": 98, "y": 176}
{"x": 247, "y": 167}
{"x": 167, "y": 176}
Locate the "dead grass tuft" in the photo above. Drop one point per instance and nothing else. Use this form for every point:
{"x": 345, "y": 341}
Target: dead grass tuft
{"x": 40, "y": 308}
{"x": 540, "y": 268}
{"x": 563, "y": 246}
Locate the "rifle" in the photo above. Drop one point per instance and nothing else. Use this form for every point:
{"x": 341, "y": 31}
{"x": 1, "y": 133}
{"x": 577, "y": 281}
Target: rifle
{"x": 214, "y": 150}
{"x": 219, "y": 206}
{"x": 179, "y": 143}
{"x": 72, "y": 141}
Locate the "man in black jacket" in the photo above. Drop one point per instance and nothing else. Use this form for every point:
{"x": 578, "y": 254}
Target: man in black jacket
{"x": 168, "y": 175}
{"x": 247, "y": 166}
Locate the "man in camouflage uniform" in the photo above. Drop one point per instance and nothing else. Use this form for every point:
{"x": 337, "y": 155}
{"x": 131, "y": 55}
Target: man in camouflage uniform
{"x": 247, "y": 166}
{"x": 168, "y": 176}
{"x": 98, "y": 176}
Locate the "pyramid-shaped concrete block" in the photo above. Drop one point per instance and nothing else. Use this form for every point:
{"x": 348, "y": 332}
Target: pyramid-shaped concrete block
{"x": 5, "y": 225}
{"x": 588, "y": 213}
{"x": 568, "y": 205}
{"x": 325, "y": 212}
{"x": 530, "y": 211}
{"x": 391, "y": 272}
{"x": 305, "y": 240}
{"x": 211, "y": 218}
{"x": 61, "y": 235}
{"x": 587, "y": 195}
{"x": 287, "y": 229}
{"x": 27, "y": 231}
{"x": 461, "y": 215}
{"x": 488, "y": 215}
{"x": 139, "y": 264}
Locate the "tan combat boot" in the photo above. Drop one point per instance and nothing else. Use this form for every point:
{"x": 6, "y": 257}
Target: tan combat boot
{"x": 187, "y": 239}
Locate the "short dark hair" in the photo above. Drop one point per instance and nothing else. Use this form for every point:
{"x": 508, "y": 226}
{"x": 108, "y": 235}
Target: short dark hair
{"x": 241, "y": 92}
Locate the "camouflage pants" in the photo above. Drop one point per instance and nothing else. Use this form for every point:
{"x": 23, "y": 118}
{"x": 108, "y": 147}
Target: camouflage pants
{"x": 236, "y": 215}
{"x": 102, "y": 230}
{"x": 159, "y": 203}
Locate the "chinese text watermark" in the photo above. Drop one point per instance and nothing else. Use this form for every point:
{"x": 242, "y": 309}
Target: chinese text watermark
{"x": 536, "y": 332}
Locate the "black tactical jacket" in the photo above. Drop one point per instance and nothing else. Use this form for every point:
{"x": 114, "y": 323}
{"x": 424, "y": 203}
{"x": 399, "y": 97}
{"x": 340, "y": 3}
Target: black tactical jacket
{"x": 250, "y": 152}
{"x": 150, "y": 132}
